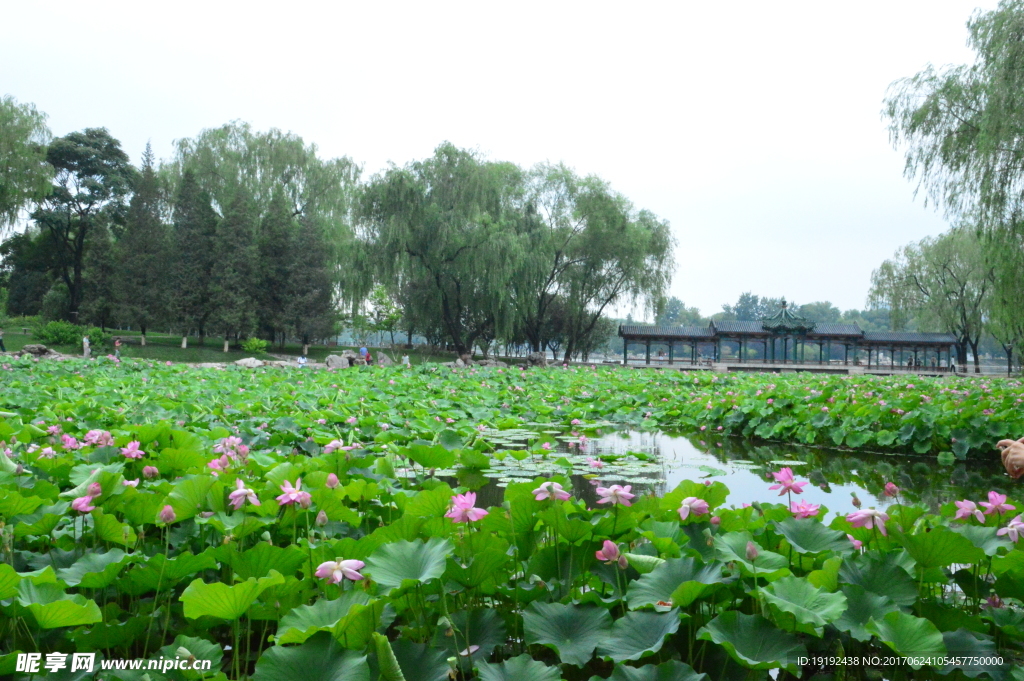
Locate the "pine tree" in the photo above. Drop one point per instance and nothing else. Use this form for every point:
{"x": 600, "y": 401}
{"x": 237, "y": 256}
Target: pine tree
{"x": 195, "y": 226}
{"x": 233, "y": 289}
{"x": 142, "y": 254}
{"x": 99, "y": 300}
{"x": 275, "y": 244}
{"x": 310, "y": 310}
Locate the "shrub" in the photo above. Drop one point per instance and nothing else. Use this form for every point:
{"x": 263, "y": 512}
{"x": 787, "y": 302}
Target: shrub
{"x": 58, "y": 333}
{"x": 255, "y": 345}
{"x": 97, "y": 337}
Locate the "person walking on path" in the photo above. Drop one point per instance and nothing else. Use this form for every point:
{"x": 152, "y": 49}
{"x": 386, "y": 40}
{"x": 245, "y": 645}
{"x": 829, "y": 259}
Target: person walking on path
{"x": 85, "y": 347}
{"x": 117, "y": 348}
{"x": 2, "y": 347}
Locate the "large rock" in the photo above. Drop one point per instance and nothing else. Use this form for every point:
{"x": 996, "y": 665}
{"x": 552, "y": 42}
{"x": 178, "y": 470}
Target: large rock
{"x": 383, "y": 360}
{"x": 537, "y": 359}
{"x": 249, "y": 363}
{"x": 346, "y": 359}
{"x": 491, "y": 363}
{"x": 37, "y": 349}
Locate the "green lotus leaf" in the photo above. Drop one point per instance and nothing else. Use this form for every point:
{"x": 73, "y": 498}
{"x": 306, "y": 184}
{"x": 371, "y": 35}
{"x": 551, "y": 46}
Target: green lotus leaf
{"x": 638, "y": 634}
{"x": 482, "y": 628}
{"x": 522, "y": 668}
{"x": 940, "y": 547}
{"x": 732, "y": 547}
{"x": 387, "y": 663}
{"x": 162, "y": 572}
{"x": 9, "y": 580}
{"x": 191, "y": 496}
{"x": 861, "y": 607}
{"x": 104, "y": 636}
{"x": 430, "y": 456}
{"x": 807, "y": 604}
{"x": 754, "y": 642}
{"x": 810, "y": 536}
{"x": 909, "y": 636}
{"x": 52, "y": 608}
{"x": 420, "y": 662}
{"x": 96, "y": 570}
{"x": 827, "y": 577}
{"x": 110, "y": 529}
{"x": 643, "y": 564}
{"x": 318, "y": 659}
{"x": 679, "y": 582}
{"x": 13, "y": 504}
{"x": 672, "y": 670}
{"x": 306, "y": 620}
{"x": 432, "y": 503}
{"x": 984, "y": 538}
{"x": 881, "y": 575}
{"x": 200, "y": 648}
{"x": 262, "y": 559}
{"x": 573, "y": 631}
{"x": 450, "y": 440}
{"x": 406, "y": 563}
{"x": 971, "y": 651}
{"x": 237, "y": 525}
{"x": 222, "y": 601}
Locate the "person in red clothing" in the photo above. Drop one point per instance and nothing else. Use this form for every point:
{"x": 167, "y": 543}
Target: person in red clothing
{"x": 368, "y": 358}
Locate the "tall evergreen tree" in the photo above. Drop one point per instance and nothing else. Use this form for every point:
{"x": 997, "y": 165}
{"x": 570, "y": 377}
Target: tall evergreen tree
{"x": 99, "y": 302}
{"x": 309, "y": 309}
{"x": 142, "y": 254}
{"x": 195, "y": 226}
{"x": 233, "y": 286}
{"x": 274, "y": 245}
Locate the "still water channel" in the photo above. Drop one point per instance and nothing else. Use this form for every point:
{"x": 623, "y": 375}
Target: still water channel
{"x": 656, "y": 462}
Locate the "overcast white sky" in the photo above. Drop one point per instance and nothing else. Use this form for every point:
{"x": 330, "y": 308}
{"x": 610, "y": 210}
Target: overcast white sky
{"x": 753, "y": 127}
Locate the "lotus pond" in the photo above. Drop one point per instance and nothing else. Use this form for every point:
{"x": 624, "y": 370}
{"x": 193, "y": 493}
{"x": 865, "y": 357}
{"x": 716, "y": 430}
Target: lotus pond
{"x": 429, "y": 524}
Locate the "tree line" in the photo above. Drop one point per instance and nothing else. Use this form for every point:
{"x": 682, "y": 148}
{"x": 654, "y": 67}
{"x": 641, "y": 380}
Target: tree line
{"x": 245, "y": 233}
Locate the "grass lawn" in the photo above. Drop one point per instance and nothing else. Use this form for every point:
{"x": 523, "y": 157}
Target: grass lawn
{"x": 165, "y": 348}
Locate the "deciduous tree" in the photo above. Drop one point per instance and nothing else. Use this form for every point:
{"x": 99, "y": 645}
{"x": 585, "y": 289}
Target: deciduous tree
{"x": 24, "y": 173}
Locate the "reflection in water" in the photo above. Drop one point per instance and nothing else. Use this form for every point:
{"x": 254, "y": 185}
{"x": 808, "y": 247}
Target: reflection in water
{"x": 745, "y": 466}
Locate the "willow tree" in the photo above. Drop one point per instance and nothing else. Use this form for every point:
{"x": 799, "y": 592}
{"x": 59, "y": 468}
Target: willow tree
{"x": 450, "y": 222}
{"x": 961, "y": 124}
{"x": 24, "y": 173}
{"x": 624, "y": 256}
{"x": 1005, "y": 310}
{"x": 942, "y": 282}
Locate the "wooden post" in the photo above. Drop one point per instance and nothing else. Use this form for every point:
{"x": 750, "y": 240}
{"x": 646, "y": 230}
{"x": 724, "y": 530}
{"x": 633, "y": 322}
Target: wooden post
{"x": 625, "y": 351}
{"x": 671, "y": 346}
{"x": 647, "y": 353}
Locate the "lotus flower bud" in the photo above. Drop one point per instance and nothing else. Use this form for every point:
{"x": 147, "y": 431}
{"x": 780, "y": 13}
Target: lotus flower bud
{"x": 332, "y": 481}
{"x": 95, "y": 489}
{"x": 150, "y": 472}
{"x": 266, "y": 537}
{"x": 167, "y": 514}
{"x": 19, "y": 469}
{"x": 752, "y": 552}
{"x": 856, "y": 501}
{"x": 321, "y": 519}
{"x": 716, "y": 521}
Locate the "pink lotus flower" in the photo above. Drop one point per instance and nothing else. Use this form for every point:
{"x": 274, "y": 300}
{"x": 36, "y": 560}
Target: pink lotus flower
{"x": 785, "y": 481}
{"x": 228, "y": 445}
{"x": 575, "y": 422}
{"x": 130, "y": 483}
{"x": 336, "y": 570}
{"x": 891, "y": 490}
{"x": 54, "y": 429}
{"x": 752, "y": 552}
{"x": 132, "y": 451}
{"x": 550, "y": 490}
{"x": 616, "y": 494}
{"x": 167, "y": 514}
{"x": 150, "y": 472}
{"x": 95, "y": 489}
{"x": 83, "y": 504}
{"x": 716, "y": 521}
{"x": 595, "y": 463}
{"x": 351, "y": 420}
{"x": 47, "y": 453}
{"x": 69, "y": 442}
{"x": 463, "y": 509}
{"x": 333, "y": 445}
{"x": 610, "y": 554}
{"x": 546, "y": 445}
{"x": 332, "y": 481}
{"x": 804, "y": 509}
{"x": 241, "y": 495}
{"x": 220, "y": 464}
{"x": 869, "y": 518}
{"x": 294, "y": 495}
{"x": 965, "y": 509}
{"x": 99, "y": 438}
{"x": 1014, "y": 530}
{"x": 996, "y": 504}
{"x": 321, "y": 519}
{"x": 693, "y": 505}
{"x": 857, "y": 543}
